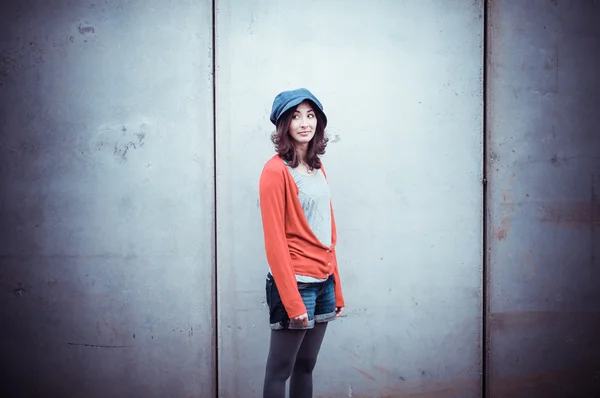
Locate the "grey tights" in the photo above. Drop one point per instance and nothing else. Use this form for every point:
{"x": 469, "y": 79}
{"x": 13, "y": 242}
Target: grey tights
{"x": 292, "y": 353}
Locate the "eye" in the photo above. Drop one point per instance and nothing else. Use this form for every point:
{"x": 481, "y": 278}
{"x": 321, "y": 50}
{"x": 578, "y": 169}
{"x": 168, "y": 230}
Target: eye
{"x": 311, "y": 116}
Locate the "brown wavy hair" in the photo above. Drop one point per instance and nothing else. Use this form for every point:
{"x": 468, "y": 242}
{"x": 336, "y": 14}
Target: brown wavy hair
{"x": 284, "y": 144}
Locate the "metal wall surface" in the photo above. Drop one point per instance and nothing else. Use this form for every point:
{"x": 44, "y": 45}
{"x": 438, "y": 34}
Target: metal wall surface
{"x": 544, "y": 206}
{"x": 401, "y": 83}
{"x": 106, "y": 174}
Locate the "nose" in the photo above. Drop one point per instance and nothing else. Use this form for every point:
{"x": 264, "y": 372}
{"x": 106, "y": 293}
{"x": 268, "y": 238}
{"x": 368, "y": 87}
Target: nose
{"x": 304, "y": 121}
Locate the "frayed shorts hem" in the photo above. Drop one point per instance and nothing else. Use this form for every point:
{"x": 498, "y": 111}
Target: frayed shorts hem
{"x": 318, "y": 298}
{"x": 311, "y": 324}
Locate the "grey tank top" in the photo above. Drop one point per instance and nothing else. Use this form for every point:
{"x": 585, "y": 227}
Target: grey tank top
{"x": 315, "y": 199}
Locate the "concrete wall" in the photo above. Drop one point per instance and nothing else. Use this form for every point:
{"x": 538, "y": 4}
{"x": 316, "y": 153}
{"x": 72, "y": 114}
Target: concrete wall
{"x": 401, "y": 82}
{"x": 107, "y": 211}
{"x": 544, "y": 200}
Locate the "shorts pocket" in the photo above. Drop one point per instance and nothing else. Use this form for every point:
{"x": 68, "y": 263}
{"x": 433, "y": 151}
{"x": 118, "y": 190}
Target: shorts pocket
{"x": 268, "y": 292}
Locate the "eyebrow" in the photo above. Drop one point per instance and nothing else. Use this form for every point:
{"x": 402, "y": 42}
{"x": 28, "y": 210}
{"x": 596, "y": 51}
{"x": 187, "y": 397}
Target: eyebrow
{"x": 310, "y": 110}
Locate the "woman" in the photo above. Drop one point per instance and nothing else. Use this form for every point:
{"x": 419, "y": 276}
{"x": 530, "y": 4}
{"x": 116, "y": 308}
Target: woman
{"x": 303, "y": 287}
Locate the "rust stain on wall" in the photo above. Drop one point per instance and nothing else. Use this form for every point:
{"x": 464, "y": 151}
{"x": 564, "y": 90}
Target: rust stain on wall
{"x": 572, "y": 214}
{"x": 501, "y": 231}
{"x": 451, "y": 389}
{"x": 522, "y": 319}
{"x": 381, "y": 369}
{"x": 349, "y": 351}
{"x": 547, "y": 384}
{"x": 582, "y": 379}
{"x": 367, "y": 375}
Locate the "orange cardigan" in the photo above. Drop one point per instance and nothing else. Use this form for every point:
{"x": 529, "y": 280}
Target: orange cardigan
{"x": 291, "y": 246}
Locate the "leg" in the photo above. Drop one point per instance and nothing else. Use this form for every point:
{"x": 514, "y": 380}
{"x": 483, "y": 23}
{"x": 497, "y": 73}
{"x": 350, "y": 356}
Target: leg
{"x": 282, "y": 355}
{"x": 301, "y": 383}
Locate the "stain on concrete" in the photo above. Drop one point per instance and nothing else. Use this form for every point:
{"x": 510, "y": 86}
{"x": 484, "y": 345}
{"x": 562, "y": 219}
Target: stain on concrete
{"x": 8, "y": 65}
{"x": 494, "y": 156}
{"x": 99, "y": 345}
{"x": 519, "y": 320}
{"x": 501, "y": 231}
{"x": 86, "y": 30}
{"x": 429, "y": 389}
{"x": 121, "y": 141}
{"x": 250, "y": 28}
{"x": 559, "y": 161}
{"x": 381, "y": 369}
{"x": 19, "y": 291}
{"x": 367, "y": 375}
{"x": 349, "y": 351}
{"x": 121, "y": 150}
{"x": 571, "y": 214}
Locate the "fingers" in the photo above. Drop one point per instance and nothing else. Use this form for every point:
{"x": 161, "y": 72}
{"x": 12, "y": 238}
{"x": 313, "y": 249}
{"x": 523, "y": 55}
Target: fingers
{"x": 339, "y": 311}
{"x": 304, "y": 320}
{"x": 301, "y": 320}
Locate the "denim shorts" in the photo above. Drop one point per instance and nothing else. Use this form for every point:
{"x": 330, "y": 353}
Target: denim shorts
{"x": 318, "y": 298}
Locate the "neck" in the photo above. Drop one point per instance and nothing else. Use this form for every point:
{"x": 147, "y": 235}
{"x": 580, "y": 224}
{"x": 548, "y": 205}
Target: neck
{"x": 301, "y": 151}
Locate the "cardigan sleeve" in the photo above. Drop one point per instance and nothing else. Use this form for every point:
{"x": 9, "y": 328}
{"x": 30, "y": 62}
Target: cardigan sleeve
{"x": 339, "y": 297}
{"x": 272, "y": 207}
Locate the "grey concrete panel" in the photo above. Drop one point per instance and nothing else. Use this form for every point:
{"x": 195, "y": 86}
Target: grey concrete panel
{"x": 544, "y": 206}
{"x": 107, "y": 198}
{"x": 401, "y": 83}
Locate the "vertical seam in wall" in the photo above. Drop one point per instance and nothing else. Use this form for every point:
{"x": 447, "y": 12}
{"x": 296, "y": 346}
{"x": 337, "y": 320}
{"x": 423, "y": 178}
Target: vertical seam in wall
{"x": 215, "y": 285}
{"x": 485, "y": 275}
{"x": 593, "y": 212}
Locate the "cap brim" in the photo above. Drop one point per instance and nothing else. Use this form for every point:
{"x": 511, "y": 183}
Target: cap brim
{"x": 297, "y": 101}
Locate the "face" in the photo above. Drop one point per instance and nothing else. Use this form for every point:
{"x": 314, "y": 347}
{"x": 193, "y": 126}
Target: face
{"x": 304, "y": 124}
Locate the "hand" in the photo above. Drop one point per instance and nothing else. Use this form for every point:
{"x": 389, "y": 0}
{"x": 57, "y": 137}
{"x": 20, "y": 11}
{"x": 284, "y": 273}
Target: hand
{"x": 339, "y": 311}
{"x": 301, "y": 320}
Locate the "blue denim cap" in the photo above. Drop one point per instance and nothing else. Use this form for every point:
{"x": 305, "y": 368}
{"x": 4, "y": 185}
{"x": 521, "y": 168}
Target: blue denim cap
{"x": 289, "y": 99}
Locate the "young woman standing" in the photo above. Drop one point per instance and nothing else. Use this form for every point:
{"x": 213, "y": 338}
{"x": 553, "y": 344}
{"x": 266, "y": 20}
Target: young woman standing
{"x": 303, "y": 289}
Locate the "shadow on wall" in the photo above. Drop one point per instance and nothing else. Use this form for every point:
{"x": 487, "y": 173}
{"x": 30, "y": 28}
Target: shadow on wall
{"x": 38, "y": 267}
{"x": 544, "y": 199}
{"x": 99, "y": 258}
